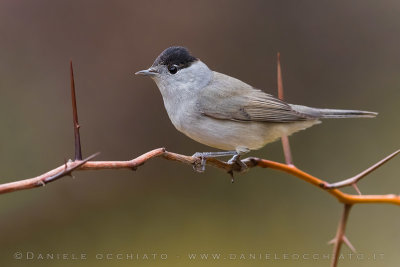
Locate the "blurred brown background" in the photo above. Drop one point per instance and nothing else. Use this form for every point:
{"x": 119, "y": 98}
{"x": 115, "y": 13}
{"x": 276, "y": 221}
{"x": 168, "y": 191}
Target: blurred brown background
{"x": 339, "y": 55}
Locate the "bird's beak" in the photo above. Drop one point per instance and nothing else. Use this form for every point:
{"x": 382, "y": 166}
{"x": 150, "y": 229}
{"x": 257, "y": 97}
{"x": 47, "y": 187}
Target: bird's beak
{"x": 148, "y": 72}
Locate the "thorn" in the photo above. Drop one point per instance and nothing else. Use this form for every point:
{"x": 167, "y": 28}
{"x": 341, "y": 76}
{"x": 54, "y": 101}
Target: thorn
{"x": 41, "y": 183}
{"x": 78, "y": 149}
{"x": 347, "y": 242}
{"x": 356, "y": 188}
{"x": 69, "y": 171}
{"x": 332, "y": 241}
{"x": 353, "y": 180}
{"x": 375, "y": 166}
{"x": 279, "y": 73}
{"x": 344, "y": 240}
{"x": 285, "y": 140}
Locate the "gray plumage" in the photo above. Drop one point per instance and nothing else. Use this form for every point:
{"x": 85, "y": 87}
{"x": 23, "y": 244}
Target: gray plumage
{"x": 226, "y": 113}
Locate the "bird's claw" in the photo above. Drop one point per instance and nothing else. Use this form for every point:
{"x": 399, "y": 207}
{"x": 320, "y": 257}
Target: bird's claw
{"x": 199, "y": 166}
{"x": 235, "y": 161}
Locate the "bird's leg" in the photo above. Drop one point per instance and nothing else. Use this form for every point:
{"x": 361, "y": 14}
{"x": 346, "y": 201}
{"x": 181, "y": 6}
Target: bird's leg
{"x": 234, "y": 160}
{"x": 205, "y": 155}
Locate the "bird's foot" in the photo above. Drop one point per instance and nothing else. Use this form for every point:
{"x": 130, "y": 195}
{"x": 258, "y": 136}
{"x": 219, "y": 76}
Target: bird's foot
{"x": 203, "y": 156}
{"x": 236, "y": 160}
{"x": 200, "y": 166}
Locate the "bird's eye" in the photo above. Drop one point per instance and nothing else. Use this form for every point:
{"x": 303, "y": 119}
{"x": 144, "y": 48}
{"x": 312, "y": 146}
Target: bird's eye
{"x": 172, "y": 69}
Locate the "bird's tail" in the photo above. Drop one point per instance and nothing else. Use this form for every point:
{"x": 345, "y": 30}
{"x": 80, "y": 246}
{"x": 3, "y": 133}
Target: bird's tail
{"x": 333, "y": 113}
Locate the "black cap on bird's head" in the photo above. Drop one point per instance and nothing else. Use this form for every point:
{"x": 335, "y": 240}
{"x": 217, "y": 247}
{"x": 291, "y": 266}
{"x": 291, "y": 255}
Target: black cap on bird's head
{"x": 174, "y": 58}
{"x": 175, "y": 55}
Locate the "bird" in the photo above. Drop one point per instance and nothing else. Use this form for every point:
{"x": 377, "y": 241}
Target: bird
{"x": 226, "y": 113}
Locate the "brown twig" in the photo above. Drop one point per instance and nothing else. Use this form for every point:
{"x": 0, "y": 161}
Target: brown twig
{"x": 41, "y": 180}
{"x": 353, "y": 180}
{"x": 78, "y": 149}
{"x": 339, "y": 195}
{"x": 285, "y": 140}
{"x": 340, "y": 235}
{"x": 161, "y": 152}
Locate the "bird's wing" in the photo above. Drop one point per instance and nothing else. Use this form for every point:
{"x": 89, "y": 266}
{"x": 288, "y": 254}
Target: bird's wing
{"x": 227, "y": 98}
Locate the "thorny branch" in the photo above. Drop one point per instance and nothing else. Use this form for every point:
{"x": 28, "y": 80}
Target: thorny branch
{"x": 251, "y": 162}
{"x": 347, "y": 199}
{"x": 353, "y": 180}
{"x": 340, "y": 237}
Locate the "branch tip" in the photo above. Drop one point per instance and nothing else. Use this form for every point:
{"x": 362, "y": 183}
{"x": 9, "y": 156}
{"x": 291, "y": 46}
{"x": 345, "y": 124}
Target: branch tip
{"x": 353, "y": 180}
{"x": 279, "y": 77}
